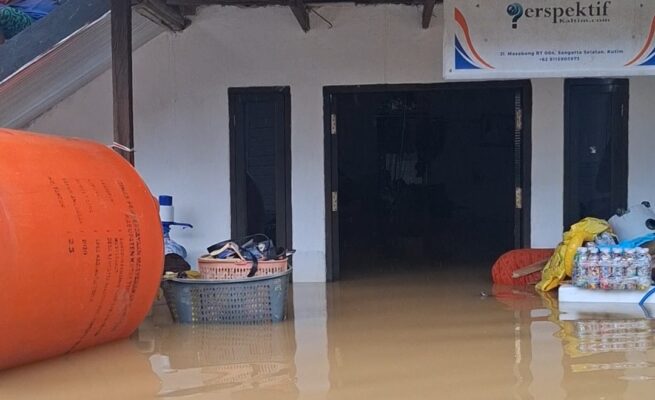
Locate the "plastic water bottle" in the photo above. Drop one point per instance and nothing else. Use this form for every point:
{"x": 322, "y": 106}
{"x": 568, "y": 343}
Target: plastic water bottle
{"x": 618, "y": 269}
{"x": 630, "y": 273}
{"x": 605, "y": 239}
{"x": 605, "y": 268}
{"x": 580, "y": 267}
{"x": 648, "y": 279}
{"x": 593, "y": 269}
{"x": 644, "y": 269}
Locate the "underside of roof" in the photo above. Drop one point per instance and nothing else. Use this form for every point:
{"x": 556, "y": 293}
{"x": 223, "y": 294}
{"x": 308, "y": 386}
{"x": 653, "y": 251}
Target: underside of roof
{"x": 60, "y": 54}
{"x": 62, "y": 68}
{"x": 302, "y": 8}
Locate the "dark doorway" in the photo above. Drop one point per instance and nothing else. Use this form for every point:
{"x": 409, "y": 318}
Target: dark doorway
{"x": 425, "y": 175}
{"x": 260, "y": 162}
{"x": 596, "y": 148}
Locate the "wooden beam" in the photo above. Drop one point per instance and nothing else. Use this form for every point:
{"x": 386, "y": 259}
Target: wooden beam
{"x": 121, "y": 69}
{"x": 428, "y": 9}
{"x": 161, "y": 13}
{"x": 188, "y": 10}
{"x": 301, "y": 12}
{"x": 196, "y": 3}
{"x": 264, "y": 3}
{"x": 538, "y": 266}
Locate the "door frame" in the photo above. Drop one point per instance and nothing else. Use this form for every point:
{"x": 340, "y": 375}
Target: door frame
{"x": 283, "y": 167}
{"x": 619, "y": 190}
{"x": 331, "y": 158}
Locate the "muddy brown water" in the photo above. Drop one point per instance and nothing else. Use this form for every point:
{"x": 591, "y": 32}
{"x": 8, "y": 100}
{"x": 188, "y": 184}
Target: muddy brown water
{"x": 411, "y": 336}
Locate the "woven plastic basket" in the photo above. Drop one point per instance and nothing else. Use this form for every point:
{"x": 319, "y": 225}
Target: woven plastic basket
{"x": 238, "y": 301}
{"x": 211, "y": 268}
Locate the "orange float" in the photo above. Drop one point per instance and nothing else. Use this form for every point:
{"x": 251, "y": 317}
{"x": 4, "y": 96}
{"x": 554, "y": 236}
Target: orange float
{"x": 501, "y": 271}
{"x": 81, "y": 246}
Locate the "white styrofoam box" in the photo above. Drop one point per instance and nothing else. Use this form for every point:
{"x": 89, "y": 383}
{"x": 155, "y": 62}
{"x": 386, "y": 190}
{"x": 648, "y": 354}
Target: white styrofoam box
{"x": 605, "y": 311}
{"x": 571, "y": 294}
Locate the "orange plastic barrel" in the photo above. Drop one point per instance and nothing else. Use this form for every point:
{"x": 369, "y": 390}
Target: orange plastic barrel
{"x": 80, "y": 243}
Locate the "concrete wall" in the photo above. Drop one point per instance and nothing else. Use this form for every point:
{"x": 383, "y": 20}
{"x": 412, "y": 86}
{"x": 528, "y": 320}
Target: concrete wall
{"x": 181, "y": 111}
{"x": 547, "y": 161}
{"x": 641, "y": 181}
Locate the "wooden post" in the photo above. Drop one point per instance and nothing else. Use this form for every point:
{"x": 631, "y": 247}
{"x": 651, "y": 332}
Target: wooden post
{"x": 121, "y": 68}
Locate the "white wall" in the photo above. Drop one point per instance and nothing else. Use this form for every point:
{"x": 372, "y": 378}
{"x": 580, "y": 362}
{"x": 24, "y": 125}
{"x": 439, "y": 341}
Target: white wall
{"x": 181, "y": 110}
{"x": 547, "y": 161}
{"x": 641, "y": 178}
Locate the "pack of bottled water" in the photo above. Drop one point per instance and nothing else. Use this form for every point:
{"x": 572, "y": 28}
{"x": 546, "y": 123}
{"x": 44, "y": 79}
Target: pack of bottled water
{"x": 612, "y": 268}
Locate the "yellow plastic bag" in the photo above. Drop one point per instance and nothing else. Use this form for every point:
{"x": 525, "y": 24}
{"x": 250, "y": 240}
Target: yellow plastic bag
{"x": 560, "y": 264}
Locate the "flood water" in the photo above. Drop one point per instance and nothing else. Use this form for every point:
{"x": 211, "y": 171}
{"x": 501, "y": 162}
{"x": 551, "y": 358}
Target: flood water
{"x": 410, "y": 336}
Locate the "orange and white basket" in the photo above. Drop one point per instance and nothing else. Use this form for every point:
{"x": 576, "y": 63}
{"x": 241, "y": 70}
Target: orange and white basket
{"x": 212, "y": 268}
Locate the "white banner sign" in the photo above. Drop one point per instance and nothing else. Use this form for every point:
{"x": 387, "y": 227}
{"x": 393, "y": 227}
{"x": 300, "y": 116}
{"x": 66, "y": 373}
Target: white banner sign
{"x": 489, "y": 39}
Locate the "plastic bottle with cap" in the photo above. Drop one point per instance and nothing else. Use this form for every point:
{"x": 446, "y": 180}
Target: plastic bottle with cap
{"x": 167, "y": 216}
{"x": 580, "y": 267}
{"x": 630, "y": 274}
{"x": 605, "y": 268}
{"x": 644, "y": 269}
{"x": 618, "y": 269}
{"x": 593, "y": 269}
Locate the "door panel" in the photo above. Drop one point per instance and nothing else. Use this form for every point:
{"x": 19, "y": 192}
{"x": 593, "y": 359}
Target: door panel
{"x": 596, "y": 148}
{"x": 260, "y": 163}
{"x": 338, "y": 133}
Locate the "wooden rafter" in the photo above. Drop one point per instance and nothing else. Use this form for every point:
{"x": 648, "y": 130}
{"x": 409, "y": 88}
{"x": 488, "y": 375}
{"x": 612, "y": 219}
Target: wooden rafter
{"x": 161, "y": 13}
{"x": 428, "y": 9}
{"x": 301, "y": 12}
{"x": 300, "y": 8}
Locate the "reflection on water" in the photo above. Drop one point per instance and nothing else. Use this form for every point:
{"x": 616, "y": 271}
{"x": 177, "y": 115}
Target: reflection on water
{"x": 113, "y": 371}
{"x": 226, "y": 359}
{"x": 414, "y": 337}
{"x": 605, "y": 350}
{"x": 601, "y": 336}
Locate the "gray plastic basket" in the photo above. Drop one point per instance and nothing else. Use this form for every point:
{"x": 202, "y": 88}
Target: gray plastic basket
{"x": 236, "y": 301}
